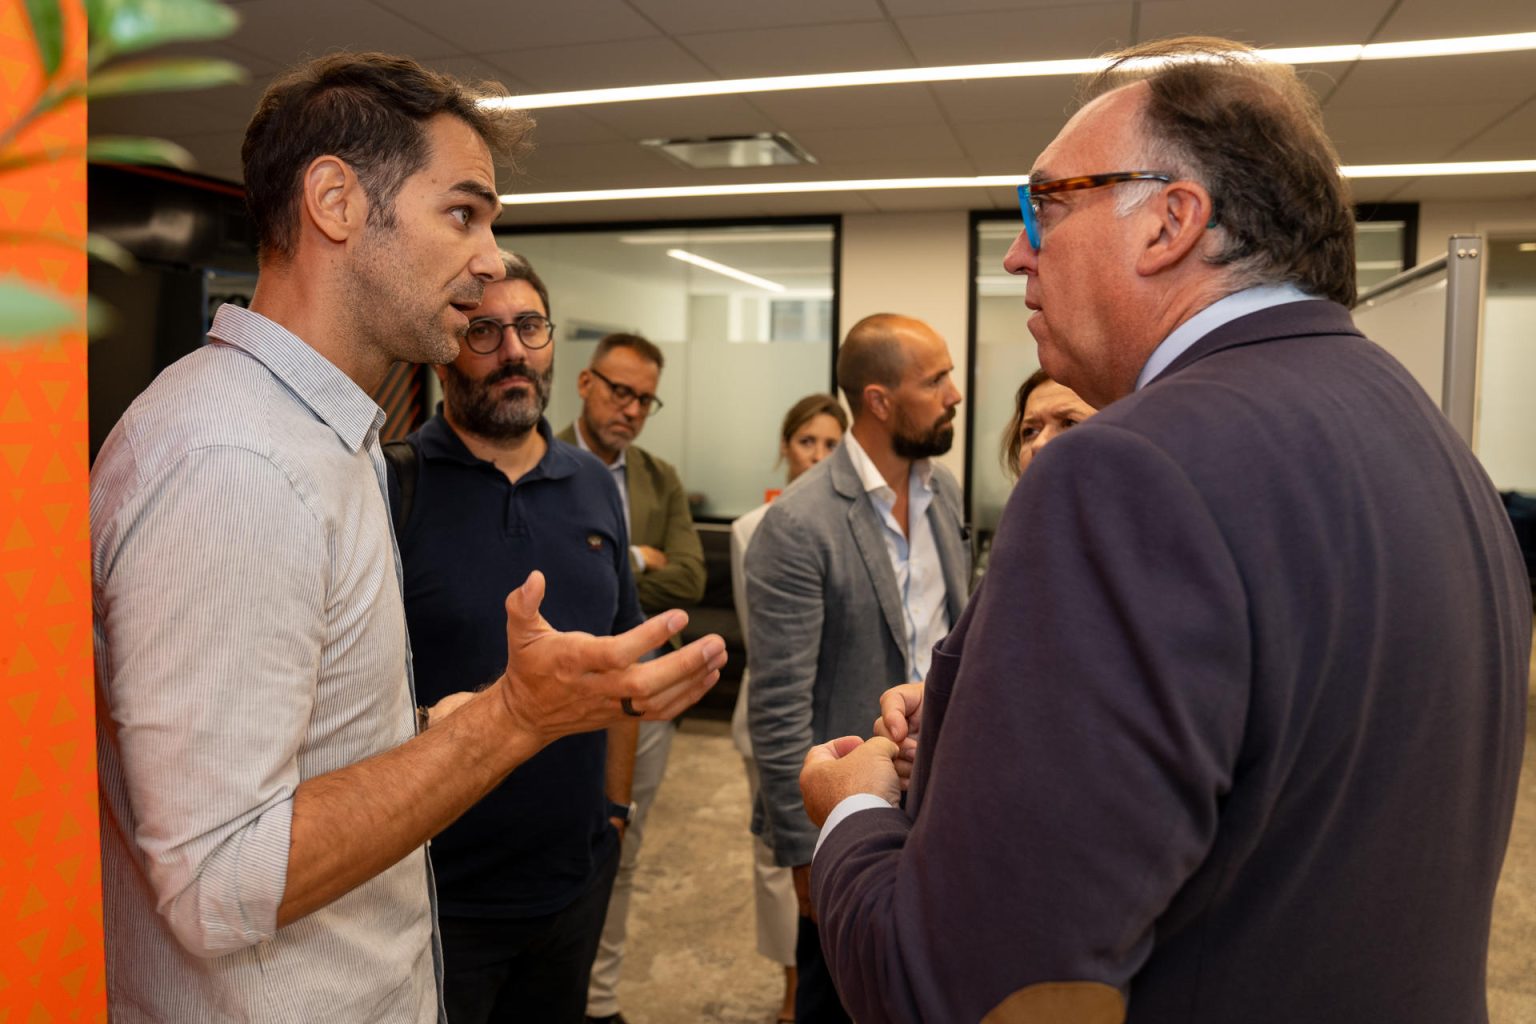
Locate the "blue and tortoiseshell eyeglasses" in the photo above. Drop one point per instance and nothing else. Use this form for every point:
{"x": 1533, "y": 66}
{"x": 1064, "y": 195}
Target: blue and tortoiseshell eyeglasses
{"x": 1029, "y": 194}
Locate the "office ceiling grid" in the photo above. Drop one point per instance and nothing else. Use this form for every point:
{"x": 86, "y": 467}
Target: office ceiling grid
{"x": 1454, "y": 108}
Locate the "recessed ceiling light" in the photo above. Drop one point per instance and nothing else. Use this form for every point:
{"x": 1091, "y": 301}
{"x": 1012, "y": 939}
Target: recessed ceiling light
{"x": 1456, "y": 46}
{"x": 721, "y": 268}
{"x": 983, "y": 181}
{"x": 1527, "y": 246}
{"x": 764, "y": 149}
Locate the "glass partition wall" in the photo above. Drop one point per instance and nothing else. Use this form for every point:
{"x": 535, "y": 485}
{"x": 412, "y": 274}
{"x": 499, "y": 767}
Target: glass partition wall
{"x": 743, "y": 313}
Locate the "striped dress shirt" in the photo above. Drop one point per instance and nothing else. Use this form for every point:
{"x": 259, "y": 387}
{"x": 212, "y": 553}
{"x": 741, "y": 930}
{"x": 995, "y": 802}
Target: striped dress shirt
{"x": 250, "y": 635}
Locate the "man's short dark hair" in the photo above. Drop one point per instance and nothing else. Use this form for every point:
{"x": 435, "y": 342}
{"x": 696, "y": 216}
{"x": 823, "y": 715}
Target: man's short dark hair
{"x": 870, "y": 354}
{"x": 369, "y": 109}
{"x": 635, "y": 343}
{"x": 1252, "y": 134}
{"x": 519, "y": 269}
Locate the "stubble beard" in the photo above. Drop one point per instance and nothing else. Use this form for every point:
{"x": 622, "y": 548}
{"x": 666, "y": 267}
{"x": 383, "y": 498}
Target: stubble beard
{"x": 398, "y": 327}
{"x": 476, "y": 407}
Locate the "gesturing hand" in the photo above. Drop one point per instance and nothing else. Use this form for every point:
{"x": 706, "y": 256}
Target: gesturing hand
{"x": 558, "y": 684}
{"x": 845, "y": 766}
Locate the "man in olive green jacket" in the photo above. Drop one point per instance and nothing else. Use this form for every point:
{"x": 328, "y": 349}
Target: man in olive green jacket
{"x": 618, "y": 394}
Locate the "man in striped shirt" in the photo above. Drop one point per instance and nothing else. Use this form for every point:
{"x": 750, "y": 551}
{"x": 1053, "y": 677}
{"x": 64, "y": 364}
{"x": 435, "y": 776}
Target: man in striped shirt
{"x": 267, "y": 783}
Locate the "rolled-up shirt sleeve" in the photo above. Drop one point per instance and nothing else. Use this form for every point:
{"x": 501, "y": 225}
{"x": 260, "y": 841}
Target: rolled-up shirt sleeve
{"x": 211, "y": 584}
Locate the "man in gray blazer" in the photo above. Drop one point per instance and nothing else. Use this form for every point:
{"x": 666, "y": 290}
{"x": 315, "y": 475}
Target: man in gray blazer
{"x": 852, "y": 577}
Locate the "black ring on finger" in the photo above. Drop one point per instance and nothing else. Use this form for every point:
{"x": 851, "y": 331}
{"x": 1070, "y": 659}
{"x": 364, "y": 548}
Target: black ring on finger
{"x": 628, "y": 707}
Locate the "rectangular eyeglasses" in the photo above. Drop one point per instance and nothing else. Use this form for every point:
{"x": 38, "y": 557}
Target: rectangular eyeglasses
{"x": 1029, "y": 193}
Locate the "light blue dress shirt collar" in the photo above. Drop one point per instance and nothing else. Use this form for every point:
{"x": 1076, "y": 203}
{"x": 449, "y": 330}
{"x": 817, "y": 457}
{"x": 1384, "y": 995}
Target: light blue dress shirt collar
{"x": 1222, "y": 311}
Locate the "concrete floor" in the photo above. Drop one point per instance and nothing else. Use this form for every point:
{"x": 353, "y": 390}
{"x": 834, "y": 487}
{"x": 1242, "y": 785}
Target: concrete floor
{"x": 693, "y": 937}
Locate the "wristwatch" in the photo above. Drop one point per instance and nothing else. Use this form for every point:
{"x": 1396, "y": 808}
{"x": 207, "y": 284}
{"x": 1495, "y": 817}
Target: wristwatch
{"x": 624, "y": 812}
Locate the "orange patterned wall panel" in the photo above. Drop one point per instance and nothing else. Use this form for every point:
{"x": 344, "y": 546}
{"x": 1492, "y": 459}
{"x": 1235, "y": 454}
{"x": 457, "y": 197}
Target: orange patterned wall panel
{"x": 50, "y": 902}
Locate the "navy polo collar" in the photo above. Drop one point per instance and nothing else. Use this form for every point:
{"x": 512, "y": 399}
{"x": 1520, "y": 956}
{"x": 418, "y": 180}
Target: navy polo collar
{"x": 437, "y": 440}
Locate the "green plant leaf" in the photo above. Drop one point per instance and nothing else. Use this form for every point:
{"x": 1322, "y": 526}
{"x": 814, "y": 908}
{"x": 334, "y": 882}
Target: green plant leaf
{"x": 48, "y": 31}
{"x": 126, "y": 26}
{"x": 100, "y": 317}
{"x": 28, "y": 309}
{"x": 131, "y": 149}
{"x": 102, "y": 248}
{"x": 164, "y": 74}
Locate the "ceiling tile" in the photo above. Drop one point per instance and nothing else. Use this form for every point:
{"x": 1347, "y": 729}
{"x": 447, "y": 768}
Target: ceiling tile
{"x": 1006, "y": 147}
{"x": 681, "y": 16}
{"x": 883, "y": 106}
{"x": 559, "y": 126}
{"x": 914, "y": 200}
{"x": 704, "y": 115}
{"x": 839, "y": 145}
{"x": 1378, "y": 190}
{"x": 1436, "y": 19}
{"x": 607, "y": 164}
{"x": 486, "y": 26}
{"x": 1416, "y": 133}
{"x": 1472, "y": 187}
{"x": 602, "y": 65}
{"x": 289, "y": 31}
{"x": 1003, "y": 99}
{"x": 474, "y": 70}
{"x": 858, "y": 46}
{"x": 999, "y": 36}
{"x": 1511, "y": 138}
{"x": 1436, "y": 80}
{"x": 1294, "y": 23}
{"x": 1044, "y": 9}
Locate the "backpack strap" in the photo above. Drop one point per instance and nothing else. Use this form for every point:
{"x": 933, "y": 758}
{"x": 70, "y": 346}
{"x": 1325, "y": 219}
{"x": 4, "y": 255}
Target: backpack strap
{"x": 404, "y": 468}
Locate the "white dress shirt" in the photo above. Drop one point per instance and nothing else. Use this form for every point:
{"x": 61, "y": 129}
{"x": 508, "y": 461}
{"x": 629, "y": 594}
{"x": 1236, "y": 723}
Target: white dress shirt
{"x": 914, "y": 555}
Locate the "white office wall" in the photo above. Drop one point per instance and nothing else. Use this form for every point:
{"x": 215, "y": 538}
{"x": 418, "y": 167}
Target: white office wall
{"x": 915, "y": 264}
{"x": 1506, "y": 439}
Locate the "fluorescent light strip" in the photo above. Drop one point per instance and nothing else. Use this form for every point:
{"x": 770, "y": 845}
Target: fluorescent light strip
{"x": 721, "y": 268}
{"x": 1439, "y": 170}
{"x": 1457, "y": 46}
{"x": 983, "y": 181}
{"x": 757, "y": 189}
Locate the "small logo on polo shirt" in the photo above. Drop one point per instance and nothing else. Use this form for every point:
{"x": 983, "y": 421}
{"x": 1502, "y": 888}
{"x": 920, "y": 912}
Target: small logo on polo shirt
{"x": 594, "y": 542}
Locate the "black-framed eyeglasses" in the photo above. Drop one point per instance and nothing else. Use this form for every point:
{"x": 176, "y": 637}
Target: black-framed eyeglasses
{"x": 484, "y": 334}
{"x": 623, "y": 394}
{"x": 1030, "y": 193}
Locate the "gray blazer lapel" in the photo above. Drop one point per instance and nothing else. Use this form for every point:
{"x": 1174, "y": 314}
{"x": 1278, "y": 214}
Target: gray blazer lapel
{"x": 868, "y": 534}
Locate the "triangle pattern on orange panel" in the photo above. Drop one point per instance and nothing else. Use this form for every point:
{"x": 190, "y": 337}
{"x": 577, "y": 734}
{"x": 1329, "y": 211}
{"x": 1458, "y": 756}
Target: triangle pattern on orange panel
{"x": 28, "y": 826}
{"x": 60, "y": 592}
{"x": 27, "y": 783}
{"x": 22, "y": 662}
{"x": 32, "y": 945}
{"x": 18, "y": 582}
{"x": 54, "y": 392}
{"x": 15, "y": 455}
{"x": 22, "y": 704}
{"x": 15, "y": 410}
{"x": 32, "y": 902}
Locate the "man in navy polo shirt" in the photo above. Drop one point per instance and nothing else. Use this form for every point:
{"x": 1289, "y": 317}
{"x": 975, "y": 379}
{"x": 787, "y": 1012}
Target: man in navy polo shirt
{"x": 524, "y": 876}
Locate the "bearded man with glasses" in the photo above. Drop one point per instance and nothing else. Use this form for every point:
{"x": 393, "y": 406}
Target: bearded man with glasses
{"x": 483, "y": 493}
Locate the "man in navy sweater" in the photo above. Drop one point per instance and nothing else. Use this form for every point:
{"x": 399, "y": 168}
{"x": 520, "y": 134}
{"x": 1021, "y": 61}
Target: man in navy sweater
{"x": 1232, "y": 729}
{"x": 523, "y": 877}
